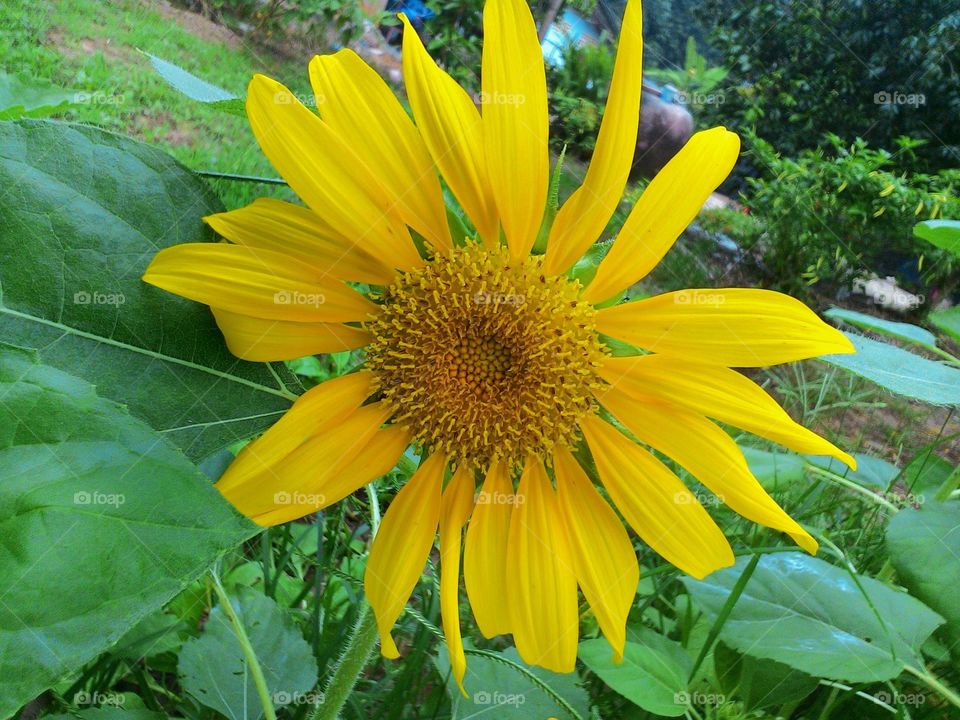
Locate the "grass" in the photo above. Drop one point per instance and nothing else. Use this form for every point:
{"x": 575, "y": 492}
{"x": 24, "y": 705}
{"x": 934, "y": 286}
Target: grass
{"x": 92, "y": 47}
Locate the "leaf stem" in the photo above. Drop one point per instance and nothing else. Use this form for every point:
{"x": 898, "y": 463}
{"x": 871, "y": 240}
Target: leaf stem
{"x": 251, "y": 657}
{"x": 354, "y": 658}
{"x": 934, "y": 683}
{"x": 240, "y": 178}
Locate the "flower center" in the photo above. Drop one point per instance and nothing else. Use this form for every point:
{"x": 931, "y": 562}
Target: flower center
{"x": 484, "y": 357}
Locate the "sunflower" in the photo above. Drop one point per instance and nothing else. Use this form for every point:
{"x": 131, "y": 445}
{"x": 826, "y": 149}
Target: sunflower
{"x": 492, "y": 360}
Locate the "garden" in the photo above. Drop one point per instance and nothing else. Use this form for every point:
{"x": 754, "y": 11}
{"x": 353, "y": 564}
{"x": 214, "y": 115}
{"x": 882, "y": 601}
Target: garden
{"x": 588, "y": 360}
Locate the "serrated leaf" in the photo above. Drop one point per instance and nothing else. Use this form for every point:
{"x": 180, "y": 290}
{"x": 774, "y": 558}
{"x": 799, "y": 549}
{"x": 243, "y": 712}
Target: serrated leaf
{"x": 760, "y": 683}
{"x": 902, "y": 331}
{"x": 101, "y": 520}
{"x": 925, "y": 550}
{"x": 812, "y": 616}
{"x": 214, "y": 670}
{"x": 82, "y": 214}
{"x": 653, "y": 674}
{"x": 900, "y": 372}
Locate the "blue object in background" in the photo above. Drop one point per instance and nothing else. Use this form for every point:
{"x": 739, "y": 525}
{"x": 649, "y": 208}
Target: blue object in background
{"x": 415, "y": 10}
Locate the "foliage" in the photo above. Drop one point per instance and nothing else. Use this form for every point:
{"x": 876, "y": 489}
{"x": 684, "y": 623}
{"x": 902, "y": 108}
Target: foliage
{"x": 454, "y": 39}
{"x": 855, "y": 68}
{"x": 695, "y": 80}
{"x": 841, "y": 211}
{"x": 578, "y": 95}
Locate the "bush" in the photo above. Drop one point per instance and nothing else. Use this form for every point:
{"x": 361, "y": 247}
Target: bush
{"x": 578, "y": 94}
{"x": 841, "y": 211}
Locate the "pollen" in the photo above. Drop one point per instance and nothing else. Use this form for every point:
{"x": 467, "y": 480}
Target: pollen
{"x": 484, "y": 357}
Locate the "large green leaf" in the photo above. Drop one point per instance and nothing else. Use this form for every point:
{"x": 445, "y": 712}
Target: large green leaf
{"x": 925, "y": 549}
{"x": 901, "y": 372}
{"x": 947, "y": 320}
{"x": 774, "y": 470}
{"x": 82, "y": 213}
{"x": 760, "y": 683}
{"x": 214, "y": 670}
{"x": 942, "y": 233}
{"x": 501, "y": 685}
{"x": 101, "y": 522}
{"x": 34, "y": 98}
{"x": 652, "y": 675}
{"x": 814, "y": 617}
{"x": 902, "y": 331}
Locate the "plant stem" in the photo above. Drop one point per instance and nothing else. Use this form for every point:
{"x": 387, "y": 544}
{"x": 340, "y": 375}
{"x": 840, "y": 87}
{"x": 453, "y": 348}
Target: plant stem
{"x": 240, "y": 178}
{"x": 361, "y": 643}
{"x": 934, "y": 683}
{"x": 251, "y": 657}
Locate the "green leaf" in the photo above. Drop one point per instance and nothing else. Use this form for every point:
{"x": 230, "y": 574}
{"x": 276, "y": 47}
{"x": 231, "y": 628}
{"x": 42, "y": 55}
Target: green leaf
{"x": 947, "y": 320}
{"x": 760, "y": 683}
{"x": 925, "y": 550}
{"x": 499, "y": 689}
{"x": 214, "y": 671}
{"x": 900, "y": 372}
{"x": 101, "y": 518}
{"x": 83, "y": 213}
{"x": 812, "y": 616}
{"x": 652, "y": 675}
{"x": 901, "y": 331}
{"x": 33, "y": 98}
{"x": 926, "y": 473}
{"x": 197, "y": 89}
{"x": 774, "y": 470}
{"x": 944, "y": 234}
{"x": 871, "y": 471}
{"x": 109, "y": 713}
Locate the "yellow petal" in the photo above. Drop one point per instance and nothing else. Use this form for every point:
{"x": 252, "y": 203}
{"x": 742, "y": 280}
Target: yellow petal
{"x": 362, "y": 109}
{"x": 312, "y": 476}
{"x": 543, "y": 598}
{"x": 668, "y": 204}
{"x": 657, "y": 505}
{"x": 401, "y": 547}
{"x": 373, "y": 456}
{"x": 710, "y": 455}
{"x": 603, "y": 556}
{"x": 269, "y": 224}
{"x": 258, "y": 283}
{"x": 717, "y": 392}
{"x": 515, "y": 123}
{"x": 451, "y": 128}
{"x": 327, "y": 174}
{"x": 455, "y": 509}
{"x": 259, "y": 340}
{"x": 319, "y": 408}
{"x": 485, "y": 552}
{"x": 734, "y": 327}
{"x": 585, "y": 214}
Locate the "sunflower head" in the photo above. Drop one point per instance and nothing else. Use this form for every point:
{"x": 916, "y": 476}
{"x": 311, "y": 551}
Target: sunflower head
{"x": 489, "y": 358}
